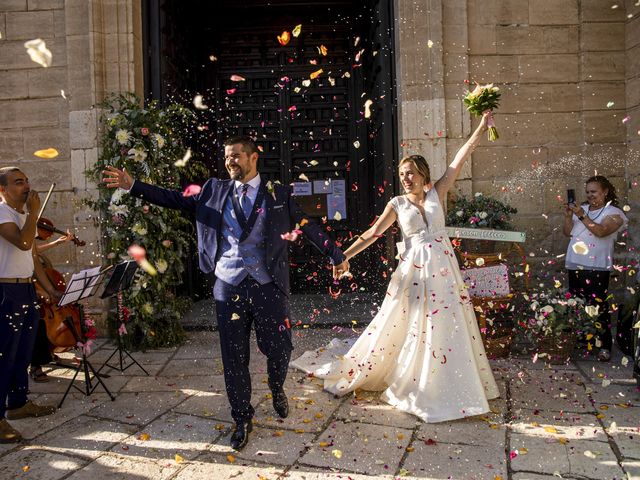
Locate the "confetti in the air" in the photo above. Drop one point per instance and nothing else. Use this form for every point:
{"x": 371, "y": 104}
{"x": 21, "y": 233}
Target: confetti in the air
{"x": 237, "y": 78}
{"x": 367, "y": 108}
{"x": 184, "y": 160}
{"x": 284, "y": 38}
{"x": 580, "y": 248}
{"x": 315, "y": 74}
{"x": 296, "y": 30}
{"x": 197, "y": 102}
{"x": 38, "y": 51}
{"x": 47, "y": 153}
{"x": 430, "y": 44}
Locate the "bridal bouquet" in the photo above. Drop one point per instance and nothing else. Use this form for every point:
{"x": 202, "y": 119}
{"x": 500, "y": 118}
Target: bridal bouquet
{"x": 481, "y": 99}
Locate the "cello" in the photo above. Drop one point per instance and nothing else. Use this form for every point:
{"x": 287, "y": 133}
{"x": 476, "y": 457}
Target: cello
{"x": 58, "y": 334}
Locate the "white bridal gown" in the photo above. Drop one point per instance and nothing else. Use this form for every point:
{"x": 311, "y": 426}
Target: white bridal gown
{"x": 423, "y": 349}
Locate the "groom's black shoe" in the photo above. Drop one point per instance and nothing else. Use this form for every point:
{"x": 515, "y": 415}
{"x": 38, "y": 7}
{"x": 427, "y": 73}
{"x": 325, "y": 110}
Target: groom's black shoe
{"x": 280, "y": 403}
{"x": 241, "y": 436}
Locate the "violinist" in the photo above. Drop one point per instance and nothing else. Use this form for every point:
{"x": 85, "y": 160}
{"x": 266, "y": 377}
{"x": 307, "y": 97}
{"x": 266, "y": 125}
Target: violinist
{"x": 18, "y": 303}
{"x": 42, "y": 348}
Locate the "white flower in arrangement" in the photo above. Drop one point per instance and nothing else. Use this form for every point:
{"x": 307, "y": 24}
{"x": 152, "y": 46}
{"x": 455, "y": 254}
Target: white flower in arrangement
{"x": 547, "y": 309}
{"x": 459, "y": 213}
{"x": 483, "y": 215}
{"x": 160, "y": 141}
{"x": 572, "y": 302}
{"x": 477, "y": 194}
{"x": 137, "y": 154}
{"x": 116, "y": 209}
{"x": 534, "y": 305}
{"x": 139, "y": 229}
{"x": 123, "y": 137}
{"x": 162, "y": 265}
{"x": 147, "y": 308}
{"x": 116, "y": 196}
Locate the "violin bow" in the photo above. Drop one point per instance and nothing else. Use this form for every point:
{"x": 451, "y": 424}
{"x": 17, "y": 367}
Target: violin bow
{"x": 46, "y": 199}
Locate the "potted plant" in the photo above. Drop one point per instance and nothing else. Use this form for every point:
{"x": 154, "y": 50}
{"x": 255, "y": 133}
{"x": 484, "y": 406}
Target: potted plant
{"x": 553, "y": 319}
{"x": 479, "y": 211}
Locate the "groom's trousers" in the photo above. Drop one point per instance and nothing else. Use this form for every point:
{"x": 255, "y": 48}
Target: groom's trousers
{"x": 239, "y": 307}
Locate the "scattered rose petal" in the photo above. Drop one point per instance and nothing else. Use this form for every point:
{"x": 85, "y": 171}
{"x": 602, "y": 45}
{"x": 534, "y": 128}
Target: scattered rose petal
{"x": 626, "y": 119}
{"x": 231, "y": 458}
{"x": 302, "y": 176}
{"x": 38, "y": 51}
{"x": 191, "y": 190}
{"x": 356, "y": 144}
{"x": 47, "y": 153}
{"x": 337, "y": 453}
{"x": 480, "y": 261}
{"x": 580, "y": 248}
{"x": 185, "y": 159}
{"x": 610, "y": 104}
{"x": 178, "y": 458}
{"x": 624, "y": 361}
{"x": 296, "y": 30}
{"x": 235, "y": 316}
{"x": 144, "y": 437}
{"x": 337, "y": 216}
{"x": 284, "y": 38}
{"x": 589, "y": 454}
{"x": 197, "y": 102}
{"x": 306, "y": 83}
{"x": 315, "y": 74}
{"x": 237, "y": 78}
{"x": 626, "y": 208}
{"x": 430, "y": 44}
{"x": 367, "y": 108}
{"x": 231, "y": 91}
{"x": 323, "y": 50}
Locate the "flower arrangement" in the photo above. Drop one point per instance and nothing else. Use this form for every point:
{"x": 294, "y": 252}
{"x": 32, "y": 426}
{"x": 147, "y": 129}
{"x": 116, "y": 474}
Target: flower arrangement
{"x": 481, "y": 99}
{"x": 480, "y": 212}
{"x": 146, "y": 141}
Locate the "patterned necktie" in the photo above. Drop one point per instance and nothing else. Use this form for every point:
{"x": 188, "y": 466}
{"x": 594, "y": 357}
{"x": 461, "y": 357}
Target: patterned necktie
{"x": 245, "y": 203}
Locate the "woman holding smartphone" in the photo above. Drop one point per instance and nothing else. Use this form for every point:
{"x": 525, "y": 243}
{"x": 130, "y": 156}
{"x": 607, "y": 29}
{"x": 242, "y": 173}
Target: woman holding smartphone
{"x": 593, "y": 228}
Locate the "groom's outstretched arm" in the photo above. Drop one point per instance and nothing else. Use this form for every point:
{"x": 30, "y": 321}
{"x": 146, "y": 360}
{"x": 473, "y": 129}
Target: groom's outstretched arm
{"x": 163, "y": 197}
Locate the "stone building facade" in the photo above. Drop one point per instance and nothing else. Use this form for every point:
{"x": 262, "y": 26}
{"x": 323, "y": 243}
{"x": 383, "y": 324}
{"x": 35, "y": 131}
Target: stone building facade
{"x": 569, "y": 71}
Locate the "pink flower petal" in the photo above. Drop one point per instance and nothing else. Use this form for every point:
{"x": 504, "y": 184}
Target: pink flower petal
{"x": 191, "y": 190}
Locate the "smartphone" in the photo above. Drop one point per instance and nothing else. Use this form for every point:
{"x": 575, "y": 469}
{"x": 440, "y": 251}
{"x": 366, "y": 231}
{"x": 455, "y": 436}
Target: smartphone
{"x": 571, "y": 196}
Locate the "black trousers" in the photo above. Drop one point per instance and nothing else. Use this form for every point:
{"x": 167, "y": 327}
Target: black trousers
{"x": 41, "y": 351}
{"x": 238, "y": 308}
{"x": 18, "y": 324}
{"x": 593, "y": 286}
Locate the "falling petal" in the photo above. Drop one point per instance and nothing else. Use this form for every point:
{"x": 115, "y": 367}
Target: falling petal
{"x": 480, "y": 261}
{"x": 430, "y": 44}
{"x": 323, "y": 50}
{"x": 197, "y": 102}
{"x": 213, "y": 58}
{"x": 47, "y": 153}
{"x": 237, "y": 78}
{"x": 38, "y": 51}
{"x": 178, "y": 458}
{"x": 580, "y": 248}
{"x": 626, "y": 119}
{"x": 296, "y": 30}
{"x": 337, "y": 453}
{"x": 302, "y": 176}
{"x": 284, "y": 38}
{"x": 306, "y": 83}
{"x": 191, "y": 190}
{"x": 610, "y": 104}
{"x": 367, "y": 108}
{"x": 337, "y": 216}
{"x": 315, "y": 74}
{"x": 63, "y": 94}
{"x": 185, "y": 159}
{"x": 137, "y": 252}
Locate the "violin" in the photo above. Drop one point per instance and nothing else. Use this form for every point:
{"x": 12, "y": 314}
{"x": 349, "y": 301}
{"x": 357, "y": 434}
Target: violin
{"x": 46, "y": 229}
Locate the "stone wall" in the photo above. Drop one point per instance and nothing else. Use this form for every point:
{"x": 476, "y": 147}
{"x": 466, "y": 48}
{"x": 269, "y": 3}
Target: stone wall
{"x": 568, "y": 71}
{"x": 96, "y": 49}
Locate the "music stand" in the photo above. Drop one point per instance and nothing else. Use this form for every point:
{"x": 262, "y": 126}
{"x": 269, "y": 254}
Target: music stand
{"x": 83, "y": 285}
{"x": 121, "y": 279}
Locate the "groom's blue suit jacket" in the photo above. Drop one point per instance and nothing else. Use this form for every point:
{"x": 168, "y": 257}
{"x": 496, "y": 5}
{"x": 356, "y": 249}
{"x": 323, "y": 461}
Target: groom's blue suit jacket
{"x": 282, "y": 213}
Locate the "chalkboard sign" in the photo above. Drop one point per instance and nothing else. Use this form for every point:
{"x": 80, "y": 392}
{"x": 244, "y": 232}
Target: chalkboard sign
{"x": 490, "y": 281}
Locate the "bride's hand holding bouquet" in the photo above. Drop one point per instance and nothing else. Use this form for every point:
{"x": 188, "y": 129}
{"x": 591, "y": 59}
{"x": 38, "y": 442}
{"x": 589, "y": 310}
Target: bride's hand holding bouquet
{"x": 484, "y": 98}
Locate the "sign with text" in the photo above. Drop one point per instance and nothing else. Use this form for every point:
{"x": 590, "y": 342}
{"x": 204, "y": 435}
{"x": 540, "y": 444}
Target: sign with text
{"x": 302, "y": 188}
{"x": 487, "y": 281}
{"x": 486, "y": 234}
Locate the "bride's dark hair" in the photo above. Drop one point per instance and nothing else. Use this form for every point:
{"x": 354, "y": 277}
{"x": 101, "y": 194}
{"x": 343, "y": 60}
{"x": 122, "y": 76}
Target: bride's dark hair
{"x": 421, "y": 165}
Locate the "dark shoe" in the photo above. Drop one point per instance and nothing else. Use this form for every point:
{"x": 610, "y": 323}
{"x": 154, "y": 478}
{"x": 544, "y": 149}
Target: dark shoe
{"x": 241, "y": 436}
{"x": 38, "y": 375}
{"x": 8, "y": 434}
{"x": 30, "y": 409}
{"x": 604, "y": 355}
{"x": 281, "y": 404}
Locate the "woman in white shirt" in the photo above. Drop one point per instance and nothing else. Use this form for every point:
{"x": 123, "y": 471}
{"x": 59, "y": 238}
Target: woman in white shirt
{"x": 593, "y": 228}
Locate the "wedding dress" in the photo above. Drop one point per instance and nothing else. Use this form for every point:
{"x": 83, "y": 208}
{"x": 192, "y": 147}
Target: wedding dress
{"x": 423, "y": 349}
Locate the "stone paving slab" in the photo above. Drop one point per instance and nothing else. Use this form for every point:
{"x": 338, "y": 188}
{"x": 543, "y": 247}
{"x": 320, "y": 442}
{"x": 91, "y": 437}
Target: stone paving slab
{"x": 36, "y": 462}
{"x": 139, "y": 408}
{"x": 117, "y": 467}
{"x": 556, "y": 425}
{"x": 217, "y": 467}
{"x": 360, "y": 448}
{"x": 275, "y": 447}
{"x": 443, "y": 461}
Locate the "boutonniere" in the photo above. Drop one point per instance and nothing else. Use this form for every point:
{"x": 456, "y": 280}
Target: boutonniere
{"x": 271, "y": 189}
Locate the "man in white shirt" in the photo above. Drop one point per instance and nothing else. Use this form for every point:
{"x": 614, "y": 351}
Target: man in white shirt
{"x": 18, "y": 304}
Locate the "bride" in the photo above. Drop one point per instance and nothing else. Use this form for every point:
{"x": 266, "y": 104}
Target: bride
{"x": 423, "y": 349}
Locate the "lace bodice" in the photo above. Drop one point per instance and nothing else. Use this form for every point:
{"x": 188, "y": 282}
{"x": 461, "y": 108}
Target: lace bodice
{"x": 411, "y": 220}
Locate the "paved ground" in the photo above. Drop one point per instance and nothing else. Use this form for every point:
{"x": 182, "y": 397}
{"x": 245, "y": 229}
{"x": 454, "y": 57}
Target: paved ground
{"x": 567, "y": 422}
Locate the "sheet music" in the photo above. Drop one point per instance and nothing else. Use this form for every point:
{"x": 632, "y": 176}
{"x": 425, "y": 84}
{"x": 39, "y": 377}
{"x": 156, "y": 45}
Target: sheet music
{"x": 80, "y": 282}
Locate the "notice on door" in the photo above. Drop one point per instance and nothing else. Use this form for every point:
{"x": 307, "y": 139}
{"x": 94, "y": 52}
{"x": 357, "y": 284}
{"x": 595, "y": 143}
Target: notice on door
{"x": 302, "y": 188}
{"x": 337, "y": 201}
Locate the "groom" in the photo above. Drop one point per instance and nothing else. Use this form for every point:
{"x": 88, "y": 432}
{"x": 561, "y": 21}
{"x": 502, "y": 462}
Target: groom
{"x": 239, "y": 223}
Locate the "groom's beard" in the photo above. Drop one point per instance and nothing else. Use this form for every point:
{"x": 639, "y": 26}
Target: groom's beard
{"x": 237, "y": 174}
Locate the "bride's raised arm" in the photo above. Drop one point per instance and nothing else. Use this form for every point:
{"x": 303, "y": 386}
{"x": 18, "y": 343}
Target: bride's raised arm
{"x": 381, "y": 225}
{"x": 453, "y": 170}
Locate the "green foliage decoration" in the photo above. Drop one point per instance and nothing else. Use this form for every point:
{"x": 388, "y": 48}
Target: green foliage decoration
{"x": 480, "y": 211}
{"x": 146, "y": 140}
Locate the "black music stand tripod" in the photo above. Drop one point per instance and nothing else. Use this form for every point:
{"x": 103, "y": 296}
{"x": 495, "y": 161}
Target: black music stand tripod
{"x": 121, "y": 279}
{"x": 83, "y": 285}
